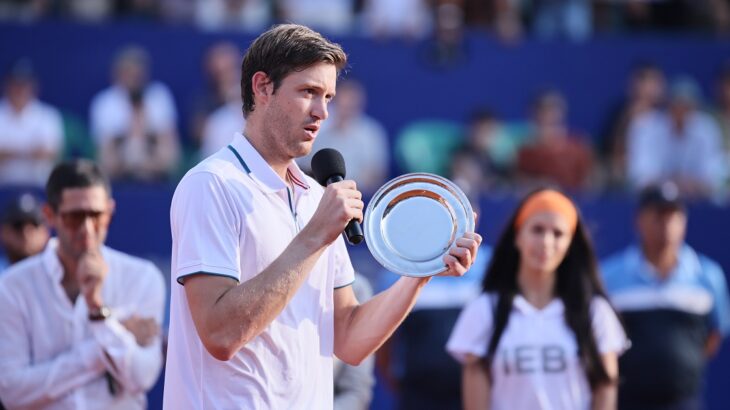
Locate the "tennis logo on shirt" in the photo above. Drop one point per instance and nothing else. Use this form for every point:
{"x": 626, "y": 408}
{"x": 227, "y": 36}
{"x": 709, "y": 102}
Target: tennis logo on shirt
{"x": 531, "y": 359}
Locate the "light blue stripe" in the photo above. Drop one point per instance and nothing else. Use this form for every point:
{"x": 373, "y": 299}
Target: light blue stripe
{"x": 180, "y": 279}
{"x": 243, "y": 163}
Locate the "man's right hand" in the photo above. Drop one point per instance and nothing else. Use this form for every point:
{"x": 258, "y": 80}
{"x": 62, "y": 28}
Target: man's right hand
{"x": 143, "y": 329}
{"x": 340, "y": 203}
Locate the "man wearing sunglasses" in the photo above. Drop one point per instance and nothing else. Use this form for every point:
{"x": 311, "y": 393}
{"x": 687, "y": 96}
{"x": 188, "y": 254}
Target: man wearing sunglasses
{"x": 22, "y": 232}
{"x": 81, "y": 322}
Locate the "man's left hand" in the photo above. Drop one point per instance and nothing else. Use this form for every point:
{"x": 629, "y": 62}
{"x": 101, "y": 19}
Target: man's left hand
{"x": 461, "y": 256}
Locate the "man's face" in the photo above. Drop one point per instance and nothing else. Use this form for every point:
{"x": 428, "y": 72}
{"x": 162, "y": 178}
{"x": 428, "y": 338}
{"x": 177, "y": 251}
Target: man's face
{"x": 82, "y": 219}
{"x": 21, "y": 239}
{"x": 294, "y": 113}
{"x": 662, "y": 227}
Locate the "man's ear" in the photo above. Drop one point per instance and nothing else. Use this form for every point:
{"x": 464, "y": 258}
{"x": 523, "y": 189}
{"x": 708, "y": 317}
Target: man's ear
{"x": 49, "y": 215}
{"x": 112, "y": 206}
{"x": 262, "y": 87}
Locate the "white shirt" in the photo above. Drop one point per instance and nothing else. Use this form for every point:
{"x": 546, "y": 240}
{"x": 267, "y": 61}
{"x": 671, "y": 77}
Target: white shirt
{"x": 220, "y": 128}
{"x": 536, "y": 364}
{"x": 37, "y": 126}
{"x": 53, "y": 357}
{"x": 231, "y": 222}
{"x": 111, "y": 111}
{"x": 657, "y": 152}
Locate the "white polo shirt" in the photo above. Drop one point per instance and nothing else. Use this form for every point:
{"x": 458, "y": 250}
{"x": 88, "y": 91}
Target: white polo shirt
{"x": 536, "y": 364}
{"x": 232, "y": 216}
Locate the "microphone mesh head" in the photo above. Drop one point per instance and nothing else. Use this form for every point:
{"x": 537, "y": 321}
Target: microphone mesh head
{"x": 327, "y": 163}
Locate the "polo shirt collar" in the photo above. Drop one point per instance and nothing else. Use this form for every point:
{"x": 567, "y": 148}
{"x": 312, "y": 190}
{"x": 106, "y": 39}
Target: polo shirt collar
{"x": 687, "y": 265}
{"x": 260, "y": 171}
{"x": 51, "y": 263}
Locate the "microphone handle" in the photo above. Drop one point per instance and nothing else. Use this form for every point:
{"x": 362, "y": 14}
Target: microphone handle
{"x": 353, "y": 230}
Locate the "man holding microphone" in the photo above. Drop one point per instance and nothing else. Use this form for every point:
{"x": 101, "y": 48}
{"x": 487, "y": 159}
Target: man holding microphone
{"x": 262, "y": 294}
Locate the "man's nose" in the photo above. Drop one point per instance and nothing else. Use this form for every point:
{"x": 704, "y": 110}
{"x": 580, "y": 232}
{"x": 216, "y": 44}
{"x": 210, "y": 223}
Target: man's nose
{"x": 319, "y": 109}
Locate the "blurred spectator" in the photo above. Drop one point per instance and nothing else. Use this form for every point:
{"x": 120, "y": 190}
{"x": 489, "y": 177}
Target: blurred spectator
{"x": 361, "y": 139}
{"x": 248, "y": 15}
{"x": 138, "y": 9}
{"x": 666, "y": 15}
{"x": 221, "y": 126}
{"x": 24, "y": 10}
{"x": 177, "y": 11}
{"x": 89, "y": 10}
{"x": 219, "y": 113}
{"x": 22, "y": 232}
{"x": 404, "y": 18}
{"x": 428, "y": 146}
{"x": 492, "y": 145}
{"x": 330, "y": 16}
{"x": 507, "y": 20}
{"x": 354, "y": 384}
{"x": 31, "y": 132}
{"x": 81, "y": 321}
{"x": 674, "y": 304}
{"x": 447, "y": 48}
{"x": 722, "y": 109}
{"x": 645, "y": 94}
{"x": 571, "y": 19}
{"x": 133, "y": 122}
{"x": 683, "y": 145}
{"x": 468, "y": 172}
{"x": 413, "y": 363}
{"x": 554, "y": 154}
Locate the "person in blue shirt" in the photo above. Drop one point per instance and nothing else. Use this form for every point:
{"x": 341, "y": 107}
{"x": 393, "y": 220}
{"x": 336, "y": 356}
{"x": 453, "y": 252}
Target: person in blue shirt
{"x": 674, "y": 304}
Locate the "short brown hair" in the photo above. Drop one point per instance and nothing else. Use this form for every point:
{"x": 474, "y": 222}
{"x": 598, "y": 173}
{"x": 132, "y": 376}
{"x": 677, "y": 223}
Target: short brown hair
{"x": 282, "y": 49}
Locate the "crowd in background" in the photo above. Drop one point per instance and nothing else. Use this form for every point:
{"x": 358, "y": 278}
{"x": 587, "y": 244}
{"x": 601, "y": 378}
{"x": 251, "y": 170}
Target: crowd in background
{"x": 510, "y": 20}
{"x": 664, "y": 129}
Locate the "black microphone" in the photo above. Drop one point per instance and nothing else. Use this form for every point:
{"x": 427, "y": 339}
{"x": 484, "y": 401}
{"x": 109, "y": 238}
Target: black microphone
{"x": 328, "y": 166}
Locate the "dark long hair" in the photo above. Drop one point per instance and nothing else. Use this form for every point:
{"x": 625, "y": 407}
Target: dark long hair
{"x": 576, "y": 284}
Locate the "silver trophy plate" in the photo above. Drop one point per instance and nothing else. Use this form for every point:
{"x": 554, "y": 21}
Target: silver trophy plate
{"x": 413, "y": 220}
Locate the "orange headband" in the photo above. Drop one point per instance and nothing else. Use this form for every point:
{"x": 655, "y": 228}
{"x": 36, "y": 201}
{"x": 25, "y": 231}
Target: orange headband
{"x": 548, "y": 201}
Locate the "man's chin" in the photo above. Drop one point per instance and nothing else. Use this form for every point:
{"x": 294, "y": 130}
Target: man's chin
{"x": 303, "y": 149}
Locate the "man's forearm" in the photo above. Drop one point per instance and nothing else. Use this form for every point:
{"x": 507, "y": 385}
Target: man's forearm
{"x": 229, "y": 317}
{"x": 366, "y": 327}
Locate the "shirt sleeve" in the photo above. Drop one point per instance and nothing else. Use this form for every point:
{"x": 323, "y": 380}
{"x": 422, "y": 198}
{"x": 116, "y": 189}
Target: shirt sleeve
{"x": 713, "y": 162}
{"x": 205, "y": 229}
{"x": 643, "y": 166}
{"x": 607, "y": 329}
{"x": 720, "y": 313}
{"x": 52, "y": 138}
{"x": 28, "y": 383}
{"x": 135, "y": 367}
{"x": 472, "y": 330}
{"x": 161, "y": 107}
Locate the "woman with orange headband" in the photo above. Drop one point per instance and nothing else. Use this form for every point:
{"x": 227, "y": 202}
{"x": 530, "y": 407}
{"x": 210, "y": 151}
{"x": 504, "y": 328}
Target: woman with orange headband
{"x": 542, "y": 335}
